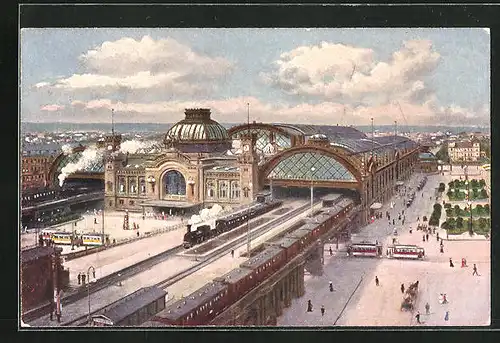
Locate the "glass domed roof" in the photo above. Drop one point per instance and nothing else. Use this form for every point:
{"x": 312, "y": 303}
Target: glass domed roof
{"x": 197, "y": 126}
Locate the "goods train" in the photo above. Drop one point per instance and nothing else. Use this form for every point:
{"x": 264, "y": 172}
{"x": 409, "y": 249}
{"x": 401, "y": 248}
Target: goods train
{"x": 202, "y": 306}
{"x": 201, "y": 232}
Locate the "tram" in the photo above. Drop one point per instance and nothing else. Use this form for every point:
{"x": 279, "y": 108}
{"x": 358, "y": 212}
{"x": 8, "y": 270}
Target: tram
{"x": 405, "y": 252}
{"x": 365, "y": 249}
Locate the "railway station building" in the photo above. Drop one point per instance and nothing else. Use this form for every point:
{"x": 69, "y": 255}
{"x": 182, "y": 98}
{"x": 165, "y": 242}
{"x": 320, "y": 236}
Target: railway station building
{"x": 200, "y": 163}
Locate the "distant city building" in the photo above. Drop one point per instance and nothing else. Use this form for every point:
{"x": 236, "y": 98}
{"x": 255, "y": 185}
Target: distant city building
{"x": 35, "y": 164}
{"x": 464, "y": 151}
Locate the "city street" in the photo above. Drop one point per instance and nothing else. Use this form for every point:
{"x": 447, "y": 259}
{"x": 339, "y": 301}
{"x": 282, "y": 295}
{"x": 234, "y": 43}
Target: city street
{"x": 356, "y": 301}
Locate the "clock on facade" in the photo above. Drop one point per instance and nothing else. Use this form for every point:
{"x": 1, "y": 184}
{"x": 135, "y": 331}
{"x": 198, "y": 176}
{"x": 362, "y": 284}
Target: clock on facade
{"x": 246, "y": 147}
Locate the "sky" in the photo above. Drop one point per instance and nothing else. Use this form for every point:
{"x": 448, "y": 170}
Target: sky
{"x": 310, "y": 76}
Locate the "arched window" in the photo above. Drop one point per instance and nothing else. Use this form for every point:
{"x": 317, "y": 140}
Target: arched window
{"x": 142, "y": 184}
{"x": 235, "y": 190}
{"x": 132, "y": 185}
{"x": 245, "y": 192}
{"x": 210, "y": 187}
{"x": 223, "y": 188}
{"x": 121, "y": 184}
{"x": 175, "y": 183}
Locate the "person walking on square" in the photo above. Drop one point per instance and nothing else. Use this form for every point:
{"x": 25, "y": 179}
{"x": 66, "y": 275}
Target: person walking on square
{"x": 402, "y": 288}
{"x": 418, "y": 317}
{"x": 232, "y": 253}
{"x": 441, "y": 249}
{"x": 437, "y": 237}
{"x": 309, "y": 306}
{"x": 427, "y": 237}
{"x": 451, "y": 263}
{"x": 474, "y": 272}
{"x": 376, "y": 281}
{"x": 79, "y": 278}
{"x": 331, "y": 286}
{"x": 423, "y": 238}
{"x": 322, "y": 310}
{"x": 427, "y": 308}
{"x": 447, "y": 316}
{"x": 330, "y": 250}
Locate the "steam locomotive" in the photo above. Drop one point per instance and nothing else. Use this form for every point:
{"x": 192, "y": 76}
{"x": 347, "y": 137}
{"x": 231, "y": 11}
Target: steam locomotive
{"x": 199, "y": 233}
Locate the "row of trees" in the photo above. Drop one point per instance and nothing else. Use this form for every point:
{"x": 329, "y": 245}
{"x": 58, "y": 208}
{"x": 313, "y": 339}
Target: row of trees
{"x": 456, "y": 211}
{"x": 475, "y": 194}
{"x": 460, "y": 225}
{"x": 461, "y": 184}
{"x": 436, "y": 215}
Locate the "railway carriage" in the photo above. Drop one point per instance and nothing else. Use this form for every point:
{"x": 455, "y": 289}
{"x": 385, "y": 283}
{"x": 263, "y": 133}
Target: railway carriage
{"x": 304, "y": 235}
{"x": 265, "y": 263}
{"x": 239, "y": 282}
{"x": 365, "y": 249}
{"x": 290, "y": 245}
{"x": 198, "y": 308}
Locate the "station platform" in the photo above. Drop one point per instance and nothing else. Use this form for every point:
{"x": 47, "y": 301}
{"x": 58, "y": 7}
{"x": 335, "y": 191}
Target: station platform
{"x": 117, "y": 258}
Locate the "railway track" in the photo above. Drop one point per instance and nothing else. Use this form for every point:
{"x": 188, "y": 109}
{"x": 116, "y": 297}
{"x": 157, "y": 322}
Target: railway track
{"x": 218, "y": 253}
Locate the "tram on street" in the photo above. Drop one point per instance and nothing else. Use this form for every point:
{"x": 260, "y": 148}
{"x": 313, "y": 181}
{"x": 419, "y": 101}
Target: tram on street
{"x": 93, "y": 239}
{"x": 61, "y": 237}
{"x": 405, "y": 252}
{"x": 365, "y": 249}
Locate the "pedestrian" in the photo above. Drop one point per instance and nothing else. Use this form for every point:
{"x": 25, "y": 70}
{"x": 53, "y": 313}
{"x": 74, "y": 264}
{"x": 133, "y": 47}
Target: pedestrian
{"x": 410, "y": 230}
{"x": 137, "y": 233}
{"x": 427, "y": 237}
{"x": 376, "y": 281}
{"x": 95, "y": 221}
{"x": 143, "y": 217}
{"x": 427, "y": 308}
{"x": 399, "y": 218}
{"x": 423, "y": 238}
{"x": 79, "y": 278}
{"x": 447, "y": 316}
{"x": 451, "y": 263}
{"x": 322, "y": 310}
{"x": 402, "y": 288}
{"x": 309, "y": 306}
{"x": 393, "y": 240}
{"x": 463, "y": 262}
{"x": 418, "y": 317}
{"x": 441, "y": 249}
{"x": 418, "y": 218}
{"x": 474, "y": 268}
{"x": 232, "y": 253}
{"x": 331, "y": 286}
{"x": 437, "y": 236}
{"x": 330, "y": 250}
{"x": 441, "y": 244}
{"x": 393, "y": 222}
{"x": 83, "y": 278}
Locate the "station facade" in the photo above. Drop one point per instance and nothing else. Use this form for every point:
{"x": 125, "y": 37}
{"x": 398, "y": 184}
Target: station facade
{"x": 201, "y": 163}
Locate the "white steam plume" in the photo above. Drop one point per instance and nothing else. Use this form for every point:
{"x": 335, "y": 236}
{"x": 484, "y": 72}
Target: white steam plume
{"x": 133, "y": 146}
{"x": 67, "y": 149}
{"x": 89, "y": 156}
{"x": 205, "y": 214}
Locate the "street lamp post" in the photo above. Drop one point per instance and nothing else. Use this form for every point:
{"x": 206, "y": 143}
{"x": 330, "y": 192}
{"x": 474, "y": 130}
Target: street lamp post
{"x": 248, "y": 226}
{"x": 88, "y": 287}
{"x": 312, "y": 190}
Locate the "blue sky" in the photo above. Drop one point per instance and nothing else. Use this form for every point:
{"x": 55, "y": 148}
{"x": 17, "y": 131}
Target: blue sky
{"x": 322, "y": 76}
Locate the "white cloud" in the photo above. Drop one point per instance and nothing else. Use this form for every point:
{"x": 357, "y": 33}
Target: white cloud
{"x": 338, "y": 72}
{"x": 52, "y": 108}
{"x": 329, "y": 113}
{"x": 128, "y": 64}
